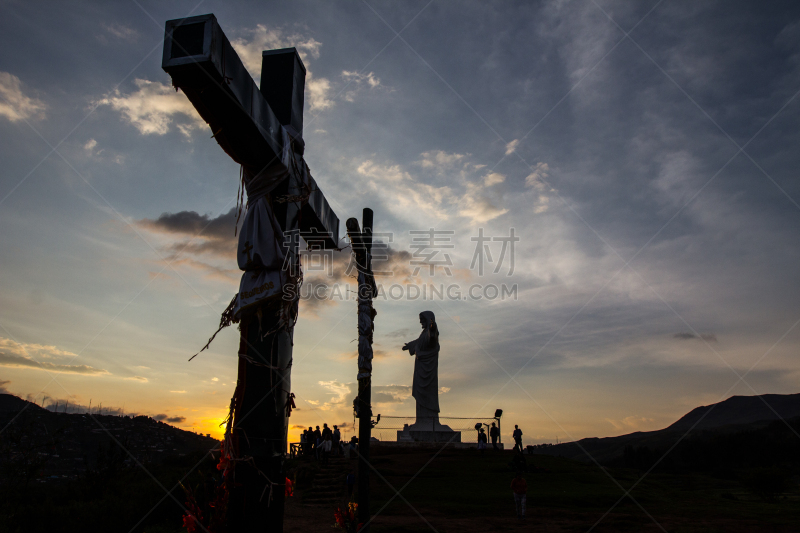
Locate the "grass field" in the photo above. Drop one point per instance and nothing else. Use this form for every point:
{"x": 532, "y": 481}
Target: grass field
{"x": 459, "y": 490}
{"x": 450, "y": 491}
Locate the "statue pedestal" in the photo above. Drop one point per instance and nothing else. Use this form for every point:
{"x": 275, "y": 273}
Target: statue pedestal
{"x": 427, "y": 432}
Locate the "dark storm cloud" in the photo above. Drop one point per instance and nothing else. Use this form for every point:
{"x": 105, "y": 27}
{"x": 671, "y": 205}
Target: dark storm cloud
{"x": 171, "y": 419}
{"x": 387, "y": 258}
{"x": 192, "y": 223}
{"x": 207, "y": 234}
{"x": 709, "y": 337}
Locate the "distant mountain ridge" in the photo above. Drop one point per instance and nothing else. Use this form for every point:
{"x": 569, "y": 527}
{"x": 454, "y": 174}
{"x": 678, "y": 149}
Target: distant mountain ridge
{"x": 738, "y": 410}
{"x": 737, "y": 413}
{"x": 11, "y": 403}
{"x": 68, "y": 444}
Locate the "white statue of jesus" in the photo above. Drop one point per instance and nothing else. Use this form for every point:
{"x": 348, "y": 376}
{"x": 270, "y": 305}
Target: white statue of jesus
{"x": 426, "y": 374}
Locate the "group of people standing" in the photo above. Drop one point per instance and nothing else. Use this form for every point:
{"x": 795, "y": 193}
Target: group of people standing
{"x": 322, "y": 444}
{"x": 494, "y": 434}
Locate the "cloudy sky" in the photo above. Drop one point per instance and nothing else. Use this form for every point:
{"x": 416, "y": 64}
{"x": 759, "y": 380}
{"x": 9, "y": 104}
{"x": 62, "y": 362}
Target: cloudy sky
{"x": 642, "y": 154}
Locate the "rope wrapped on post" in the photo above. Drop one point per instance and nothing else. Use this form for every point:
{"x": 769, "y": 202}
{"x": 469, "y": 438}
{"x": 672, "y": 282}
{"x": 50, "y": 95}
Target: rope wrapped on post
{"x": 366, "y": 291}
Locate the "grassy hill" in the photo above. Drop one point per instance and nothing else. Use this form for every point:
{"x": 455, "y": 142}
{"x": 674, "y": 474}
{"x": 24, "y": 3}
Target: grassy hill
{"x": 76, "y": 472}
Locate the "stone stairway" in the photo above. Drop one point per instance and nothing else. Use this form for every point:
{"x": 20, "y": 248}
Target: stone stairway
{"x": 328, "y": 488}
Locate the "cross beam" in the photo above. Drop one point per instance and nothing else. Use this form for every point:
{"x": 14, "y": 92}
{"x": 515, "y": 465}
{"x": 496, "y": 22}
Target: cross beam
{"x": 254, "y": 126}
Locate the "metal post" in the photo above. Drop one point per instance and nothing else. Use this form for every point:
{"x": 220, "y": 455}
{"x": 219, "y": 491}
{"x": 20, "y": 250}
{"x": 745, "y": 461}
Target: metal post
{"x": 499, "y": 431}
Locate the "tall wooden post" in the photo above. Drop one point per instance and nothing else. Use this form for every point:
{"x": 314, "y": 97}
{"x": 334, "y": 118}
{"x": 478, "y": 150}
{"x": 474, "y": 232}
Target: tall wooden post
{"x": 362, "y": 248}
{"x": 364, "y": 436}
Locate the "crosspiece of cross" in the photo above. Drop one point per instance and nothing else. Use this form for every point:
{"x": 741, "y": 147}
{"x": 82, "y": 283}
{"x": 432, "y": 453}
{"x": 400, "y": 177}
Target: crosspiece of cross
{"x": 252, "y": 125}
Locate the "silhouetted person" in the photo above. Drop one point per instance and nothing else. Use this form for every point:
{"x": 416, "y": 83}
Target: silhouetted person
{"x": 520, "y": 489}
{"x": 494, "y": 433}
{"x": 336, "y": 437}
{"x": 350, "y": 481}
{"x": 517, "y": 438}
{"x": 326, "y": 431}
{"x": 482, "y": 440}
{"x": 326, "y": 450}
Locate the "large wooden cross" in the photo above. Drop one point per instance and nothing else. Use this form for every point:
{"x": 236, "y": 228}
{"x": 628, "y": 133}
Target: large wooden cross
{"x": 261, "y": 129}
